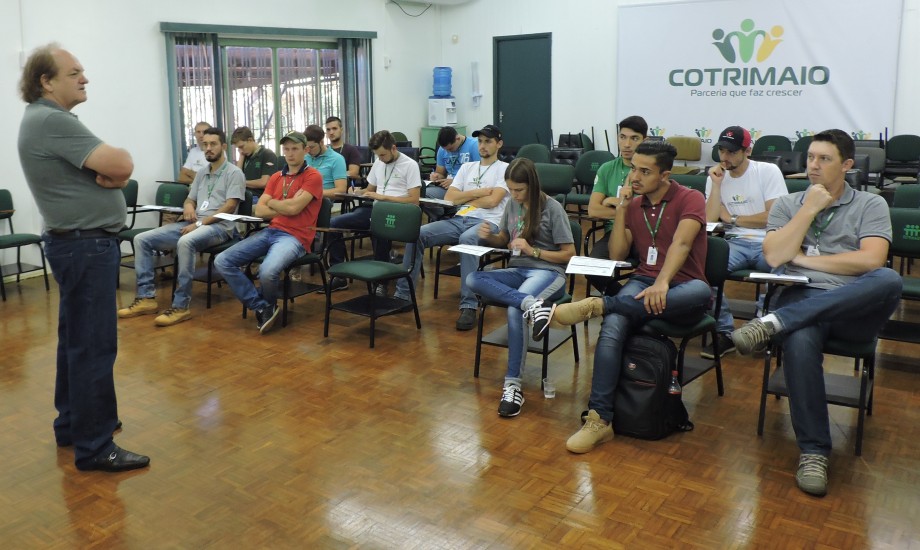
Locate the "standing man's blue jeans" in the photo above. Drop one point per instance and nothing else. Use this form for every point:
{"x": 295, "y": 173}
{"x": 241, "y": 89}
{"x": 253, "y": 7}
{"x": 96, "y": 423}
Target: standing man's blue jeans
{"x": 510, "y": 287}
{"x": 742, "y": 254}
{"x": 280, "y": 249}
{"x": 456, "y": 230}
{"x": 84, "y": 395}
{"x": 187, "y": 247}
{"x": 809, "y": 316}
{"x": 685, "y": 303}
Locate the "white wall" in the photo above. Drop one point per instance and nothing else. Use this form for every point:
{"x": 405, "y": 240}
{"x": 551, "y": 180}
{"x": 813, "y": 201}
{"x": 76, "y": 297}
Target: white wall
{"x": 122, "y": 49}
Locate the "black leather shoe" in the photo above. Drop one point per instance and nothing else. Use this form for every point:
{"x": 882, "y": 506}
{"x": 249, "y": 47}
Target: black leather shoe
{"x": 117, "y": 460}
{"x": 67, "y": 442}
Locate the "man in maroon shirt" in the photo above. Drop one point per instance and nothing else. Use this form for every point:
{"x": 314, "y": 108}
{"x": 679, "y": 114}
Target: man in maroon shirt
{"x": 662, "y": 222}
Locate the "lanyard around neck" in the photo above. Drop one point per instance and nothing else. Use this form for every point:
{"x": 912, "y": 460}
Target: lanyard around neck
{"x": 817, "y": 229}
{"x": 651, "y": 231}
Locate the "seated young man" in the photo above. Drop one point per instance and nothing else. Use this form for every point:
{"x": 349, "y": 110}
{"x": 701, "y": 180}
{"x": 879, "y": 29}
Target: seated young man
{"x": 291, "y": 204}
{"x": 480, "y": 192}
{"x": 838, "y": 237}
{"x": 664, "y": 223}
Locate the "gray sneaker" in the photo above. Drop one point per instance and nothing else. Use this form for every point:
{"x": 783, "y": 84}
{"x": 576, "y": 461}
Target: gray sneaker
{"x": 811, "y": 475}
{"x": 753, "y": 336}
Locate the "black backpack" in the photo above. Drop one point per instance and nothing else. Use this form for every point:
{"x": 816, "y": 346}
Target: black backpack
{"x": 643, "y": 408}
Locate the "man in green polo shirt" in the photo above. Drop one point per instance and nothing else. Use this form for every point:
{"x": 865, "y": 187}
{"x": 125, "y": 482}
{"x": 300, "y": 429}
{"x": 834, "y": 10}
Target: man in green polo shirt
{"x": 256, "y": 162}
{"x": 329, "y": 163}
{"x": 610, "y": 177}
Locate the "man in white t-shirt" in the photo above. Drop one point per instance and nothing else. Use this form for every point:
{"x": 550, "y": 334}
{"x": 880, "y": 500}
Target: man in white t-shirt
{"x": 740, "y": 192}
{"x": 480, "y": 194}
{"x": 195, "y": 160}
{"x": 393, "y": 177}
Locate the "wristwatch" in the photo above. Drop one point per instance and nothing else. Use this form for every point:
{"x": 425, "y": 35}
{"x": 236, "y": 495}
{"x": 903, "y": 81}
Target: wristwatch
{"x": 198, "y": 223}
{"x": 536, "y": 252}
{"x": 734, "y": 220}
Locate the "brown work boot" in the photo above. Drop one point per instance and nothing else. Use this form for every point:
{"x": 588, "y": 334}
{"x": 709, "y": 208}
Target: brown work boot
{"x": 173, "y": 316}
{"x": 576, "y": 312}
{"x": 140, "y": 306}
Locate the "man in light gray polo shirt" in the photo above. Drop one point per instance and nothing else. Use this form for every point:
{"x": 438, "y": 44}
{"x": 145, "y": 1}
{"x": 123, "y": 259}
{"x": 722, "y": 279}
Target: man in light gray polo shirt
{"x": 76, "y": 181}
{"x": 215, "y": 190}
{"x": 838, "y": 237}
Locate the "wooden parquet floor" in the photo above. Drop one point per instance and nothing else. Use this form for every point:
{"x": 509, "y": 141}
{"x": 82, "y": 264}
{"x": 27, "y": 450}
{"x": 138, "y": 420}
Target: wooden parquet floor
{"x": 290, "y": 440}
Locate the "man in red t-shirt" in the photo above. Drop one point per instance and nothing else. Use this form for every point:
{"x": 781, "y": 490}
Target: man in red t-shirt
{"x": 291, "y": 203}
{"x": 663, "y": 224}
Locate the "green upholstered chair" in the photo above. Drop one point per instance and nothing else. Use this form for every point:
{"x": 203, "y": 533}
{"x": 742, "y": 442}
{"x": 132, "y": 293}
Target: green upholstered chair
{"x": 692, "y": 368}
{"x": 902, "y": 156}
{"x": 17, "y": 241}
{"x": 770, "y": 144}
{"x": 905, "y": 245}
{"x": 536, "y": 152}
{"x": 168, "y": 194}
{"x": 392, "y": 221}
{"x": 551, "y": 340}
{"x": 693, "y": 181}
{"x": 314, "y": 258}
{"x": 795, "y": 186}
{"x": 801, "y": 145}
{"x": 585, "y": 171}
{"x": 556, "y": 180}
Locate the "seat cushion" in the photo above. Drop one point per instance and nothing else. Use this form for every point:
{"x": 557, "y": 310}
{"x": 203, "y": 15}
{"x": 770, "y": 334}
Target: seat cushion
{"x": 19, "y": 239}
{"x": 367, "y": 270}
{"x": 674, "y": 330}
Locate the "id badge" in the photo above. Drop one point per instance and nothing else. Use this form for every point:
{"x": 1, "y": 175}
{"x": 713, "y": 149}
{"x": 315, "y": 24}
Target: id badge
{"x": 204, "y": 206}
{"x": 812, "y": 250}
{"x": 652, "y": 257}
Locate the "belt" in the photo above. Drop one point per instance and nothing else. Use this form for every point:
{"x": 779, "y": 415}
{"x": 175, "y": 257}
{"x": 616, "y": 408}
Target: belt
{"x": 81, "y": 234}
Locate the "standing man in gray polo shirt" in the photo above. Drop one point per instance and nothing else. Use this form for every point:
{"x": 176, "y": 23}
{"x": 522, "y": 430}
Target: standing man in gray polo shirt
{"x": 837, "y": 237}
{"x": 76, "y": 181}
{"x": 216, "y": 189}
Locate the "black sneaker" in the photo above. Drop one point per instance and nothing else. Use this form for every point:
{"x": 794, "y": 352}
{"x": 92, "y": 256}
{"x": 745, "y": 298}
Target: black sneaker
{"x": 538, "y": 317}
{"x": 381, "y": 290}
{"x": 512, "y": 399}
{"x": 337, "y": 283}
{"x": 265, "y": 318}
{"x": 467, "y": 319}
{"x": 726, "y": 345}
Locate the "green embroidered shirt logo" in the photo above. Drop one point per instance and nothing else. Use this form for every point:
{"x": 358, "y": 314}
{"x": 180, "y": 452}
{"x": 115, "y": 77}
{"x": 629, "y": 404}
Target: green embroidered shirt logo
{"x": 742, "y": 44}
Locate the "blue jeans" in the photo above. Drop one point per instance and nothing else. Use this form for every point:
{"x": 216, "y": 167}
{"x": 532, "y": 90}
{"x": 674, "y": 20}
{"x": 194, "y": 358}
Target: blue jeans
{"x": 280, "y": 249}
{"x": 84, "y": 394}
{"x": 187, "y": 247}
{"x": 359, "y": 218}
{"x": 456, "y": 230}
{"x": 742, "y": 254}
{"x": 685, "y": 303}
{"x": 810, "y": 316}
{"x": 510, "y": 287}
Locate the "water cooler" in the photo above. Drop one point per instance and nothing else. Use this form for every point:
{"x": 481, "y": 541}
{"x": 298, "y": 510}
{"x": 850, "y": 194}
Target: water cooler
{"x": 442, "y": 107}
{"x": 442, "y": 112}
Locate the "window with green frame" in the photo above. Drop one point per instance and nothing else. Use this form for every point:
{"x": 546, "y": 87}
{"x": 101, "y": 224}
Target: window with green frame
{"x": 272, "y": 80}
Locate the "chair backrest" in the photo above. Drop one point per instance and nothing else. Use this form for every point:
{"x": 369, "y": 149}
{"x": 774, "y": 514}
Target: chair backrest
{"x": 905, "y": 232}
{"x": 130, "y": 192}
{"x": 589, "y": 163}
{"x": 716, "y": 260}
{"x": 576, "y": 236}
{"x": 399, "y": 136}
{"x": 802, "y": 144}
{"x": 6, "y": 203}
{"x": 903, "y": 148}
{"x": 365, "y": 153}
{"x": 555, "y": 179}
{"x": 536, "y": 152}
{"x": 794, "y": 186}
{"x": 873, "y": 143}
{"x": 693, "y": 181}
{"x": 396, "y": 221}
{"x": 771, "y": 143}
{"x": 411, "y": 152}
{"x": 565, "y": 156}
{"x": 876, "y": 158}
{"x": 791, "y": 162}
{"x": 770, "y": 158}
{"x": 245, "y": 206}
{"x": 858, "y": 176}
{"x": 688, "y": 148}
{"x": 172, "y": 194}
{"x": 906, "y": 196}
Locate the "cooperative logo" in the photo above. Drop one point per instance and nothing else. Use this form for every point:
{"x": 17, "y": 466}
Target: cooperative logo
{"x": 742, "y": 44}
{"x": 755, "y": 134}
{"x": 703, "y": 132}
{"x": 859, "y": 134}
{"x": 656, "y": 131}
{"x": 746, "y": 50}
{"x": 912, "y": 232}
{"x": 804, "y": 133}
{"x": 390, "y": 220}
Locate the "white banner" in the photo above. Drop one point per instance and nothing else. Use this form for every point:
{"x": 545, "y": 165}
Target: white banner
{"x": 787, "y": 67}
